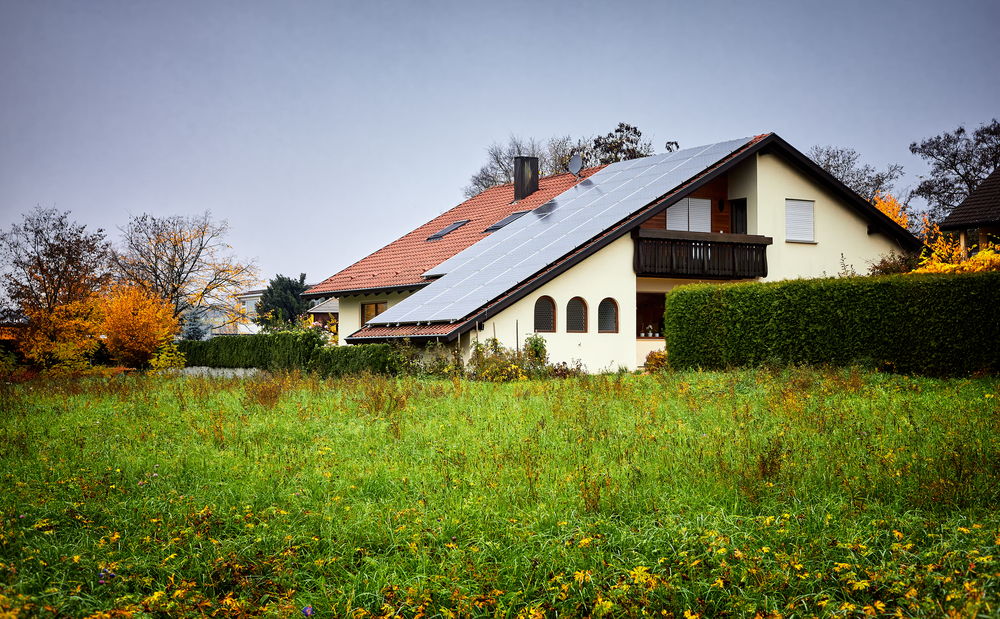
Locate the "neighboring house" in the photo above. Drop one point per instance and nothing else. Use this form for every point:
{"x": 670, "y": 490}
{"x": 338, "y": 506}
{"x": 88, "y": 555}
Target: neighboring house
{"x": 248, "y": 303}
{"x": 324, "y": 311}
{"x": 981, "y": 210}
{"x": 589, "y": 266}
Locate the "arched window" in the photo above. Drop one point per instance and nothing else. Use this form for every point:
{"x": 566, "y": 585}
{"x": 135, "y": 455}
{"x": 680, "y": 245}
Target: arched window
{"x": 545, "y": 315}
{"x": 607, "y": 316}
{"x": 576, "y": 316}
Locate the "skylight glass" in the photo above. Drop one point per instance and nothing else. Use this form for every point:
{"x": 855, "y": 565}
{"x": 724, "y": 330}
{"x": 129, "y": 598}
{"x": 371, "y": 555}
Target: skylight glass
{"x": 437, "y": 236}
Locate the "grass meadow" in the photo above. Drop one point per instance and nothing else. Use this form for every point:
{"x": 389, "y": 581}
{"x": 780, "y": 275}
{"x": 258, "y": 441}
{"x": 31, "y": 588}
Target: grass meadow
{"x": 771, "y": 493}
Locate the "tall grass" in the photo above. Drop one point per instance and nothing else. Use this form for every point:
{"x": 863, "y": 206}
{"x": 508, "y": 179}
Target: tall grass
{"x": 791, "y": 492}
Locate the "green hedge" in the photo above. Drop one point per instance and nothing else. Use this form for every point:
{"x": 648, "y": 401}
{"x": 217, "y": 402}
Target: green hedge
{"x": 341, "y": 360}
{"x": 927, "y": 324}
{"x": 302, "y": 350}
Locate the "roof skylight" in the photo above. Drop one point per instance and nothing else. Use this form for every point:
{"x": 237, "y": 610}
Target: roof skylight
{"x": 437, "y": 236}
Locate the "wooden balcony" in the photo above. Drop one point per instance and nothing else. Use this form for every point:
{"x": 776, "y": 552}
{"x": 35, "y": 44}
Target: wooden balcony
{"x": 701, "y": 255}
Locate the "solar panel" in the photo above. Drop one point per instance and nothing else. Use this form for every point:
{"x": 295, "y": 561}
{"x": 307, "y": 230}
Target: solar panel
{"x": 485, "y": 271}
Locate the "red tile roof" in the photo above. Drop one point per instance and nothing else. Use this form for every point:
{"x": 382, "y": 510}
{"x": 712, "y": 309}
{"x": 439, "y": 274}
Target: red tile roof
{"x": 379, "y": 332}
{"x": 401, "y": 263}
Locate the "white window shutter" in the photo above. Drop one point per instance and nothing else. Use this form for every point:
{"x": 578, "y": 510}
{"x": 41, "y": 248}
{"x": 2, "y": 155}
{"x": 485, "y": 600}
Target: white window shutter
{"x": 700, "y": 215}
{"x": 799, "y": 220}
{"x": 677, "y": 216}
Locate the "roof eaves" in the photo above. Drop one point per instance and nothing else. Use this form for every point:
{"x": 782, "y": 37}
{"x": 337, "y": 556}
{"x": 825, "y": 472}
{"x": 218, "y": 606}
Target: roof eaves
{"x": 879, "y": 220}
{"x": 356, "y": 292}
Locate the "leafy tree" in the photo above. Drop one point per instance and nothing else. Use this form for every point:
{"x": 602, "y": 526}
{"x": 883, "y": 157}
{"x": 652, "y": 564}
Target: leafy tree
{"x": 623, "y": 144}
{"x": 53, "y": 272}
{"x": 892, "y": 208}
{"x": 281, "y": 302}
{"x": 136, "y": 323}
{"x": 959, "y": 162}
{"x": 50, "y": 261}
{"x": 65, "y": 338}
{"x": 185, "y": 261}
{"x": 865, "y": 180}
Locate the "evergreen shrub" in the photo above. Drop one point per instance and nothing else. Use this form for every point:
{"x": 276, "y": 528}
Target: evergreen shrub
{"x": 938, "y": 325}
{"x": 289, "y": 350}
{"x": 340, "y": 360}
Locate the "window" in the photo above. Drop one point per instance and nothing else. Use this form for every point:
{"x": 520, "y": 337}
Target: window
{"x": 437, "y": 236}
{"x": 576, "y": 316}
{"x": 371, "y": 310}
{"x": 799, "y": 221}
{"x": 690, "y": 214}
{"x": 607, "y": 316}
{"x": 545, "y": 315}
{"x": 503, "y": 222}
{"x": 739, "y": 215}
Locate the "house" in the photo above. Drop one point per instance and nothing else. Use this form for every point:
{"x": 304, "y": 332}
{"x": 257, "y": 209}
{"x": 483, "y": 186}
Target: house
{"x": 981, "y": 210}
{"x": 247, "y": 302}
{"x": 587, "y": 267}
{"x": 324, "y": 310}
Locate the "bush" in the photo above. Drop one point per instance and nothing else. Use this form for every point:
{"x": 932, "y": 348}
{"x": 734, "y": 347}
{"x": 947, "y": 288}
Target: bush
{"x": 926, "y": 324}
{"x": 656, "y": 361}
{"x": 291, "y": 350}
{"x": 340, "y": 360}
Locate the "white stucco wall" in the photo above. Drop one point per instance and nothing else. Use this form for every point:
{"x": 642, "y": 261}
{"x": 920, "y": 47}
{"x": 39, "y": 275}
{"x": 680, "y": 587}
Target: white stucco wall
{"x": 838, "y": 229}
{"x": 349, "y": 319}
{"x": 607, "y": 273}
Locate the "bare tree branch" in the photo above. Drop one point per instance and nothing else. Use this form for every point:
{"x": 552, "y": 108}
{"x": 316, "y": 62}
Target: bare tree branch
{"x": 185, "y": 261}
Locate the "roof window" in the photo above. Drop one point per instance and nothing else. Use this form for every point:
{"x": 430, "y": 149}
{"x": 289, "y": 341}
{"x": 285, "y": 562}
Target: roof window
{"x": 437, "y": 236}
{"x": 503, "y": 222}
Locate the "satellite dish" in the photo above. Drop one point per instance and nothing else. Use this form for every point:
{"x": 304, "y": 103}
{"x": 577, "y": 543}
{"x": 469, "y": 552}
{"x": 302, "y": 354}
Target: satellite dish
{"x": 575, "y": 164}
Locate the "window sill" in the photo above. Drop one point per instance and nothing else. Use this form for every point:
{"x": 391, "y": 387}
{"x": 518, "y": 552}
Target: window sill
{"x": 802, "y": 242}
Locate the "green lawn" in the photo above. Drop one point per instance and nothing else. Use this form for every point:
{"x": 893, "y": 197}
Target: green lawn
{"x": 794, "y": 493}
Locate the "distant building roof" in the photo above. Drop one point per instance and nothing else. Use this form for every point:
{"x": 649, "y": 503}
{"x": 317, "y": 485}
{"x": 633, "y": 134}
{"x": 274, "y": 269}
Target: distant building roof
{"x": 330, "y": 306}
{"x": 981, "y": 208}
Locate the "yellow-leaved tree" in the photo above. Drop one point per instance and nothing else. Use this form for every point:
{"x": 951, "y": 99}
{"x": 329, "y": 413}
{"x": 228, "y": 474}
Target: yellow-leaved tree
{"x": 65, "y": 337}
{"x": 888, "y": 204}
{"x": 137, "y": 325}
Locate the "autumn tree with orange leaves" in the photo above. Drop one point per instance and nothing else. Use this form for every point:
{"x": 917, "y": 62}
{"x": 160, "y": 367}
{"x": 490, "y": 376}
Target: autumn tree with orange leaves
{"x": 136, "y": 324}
{"x": 186, "y": 262}
{"x": 53, "y": 272}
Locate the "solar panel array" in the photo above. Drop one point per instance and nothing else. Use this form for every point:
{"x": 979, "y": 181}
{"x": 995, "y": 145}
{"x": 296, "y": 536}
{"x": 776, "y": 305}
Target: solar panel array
{"x": 485, "y": 271}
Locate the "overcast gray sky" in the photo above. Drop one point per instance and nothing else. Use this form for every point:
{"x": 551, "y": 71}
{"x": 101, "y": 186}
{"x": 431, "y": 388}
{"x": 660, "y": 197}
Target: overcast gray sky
{"x": 323, "y": 130}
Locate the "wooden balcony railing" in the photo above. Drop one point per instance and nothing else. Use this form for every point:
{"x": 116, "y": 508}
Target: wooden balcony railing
{"x": 673, "y": 253}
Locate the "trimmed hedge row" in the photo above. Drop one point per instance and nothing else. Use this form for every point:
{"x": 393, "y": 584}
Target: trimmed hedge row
{"x": 341, "y": 360}
{"x": 302, "y": 350}
{"x": 927, "y": 324}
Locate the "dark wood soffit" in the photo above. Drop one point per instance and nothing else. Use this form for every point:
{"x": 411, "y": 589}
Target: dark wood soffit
{"x": 683, "y": 235}
{"x": 359, "y": 292}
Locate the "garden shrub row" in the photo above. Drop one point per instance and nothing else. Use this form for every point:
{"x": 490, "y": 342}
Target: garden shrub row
{"x": 300, "y": 350}
{"x": 937, "y": 325}
{"x": 341, "y": 360}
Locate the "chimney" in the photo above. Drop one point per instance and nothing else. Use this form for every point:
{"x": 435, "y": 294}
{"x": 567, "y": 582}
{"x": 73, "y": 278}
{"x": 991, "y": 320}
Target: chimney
{"x": 525, "y": 177}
